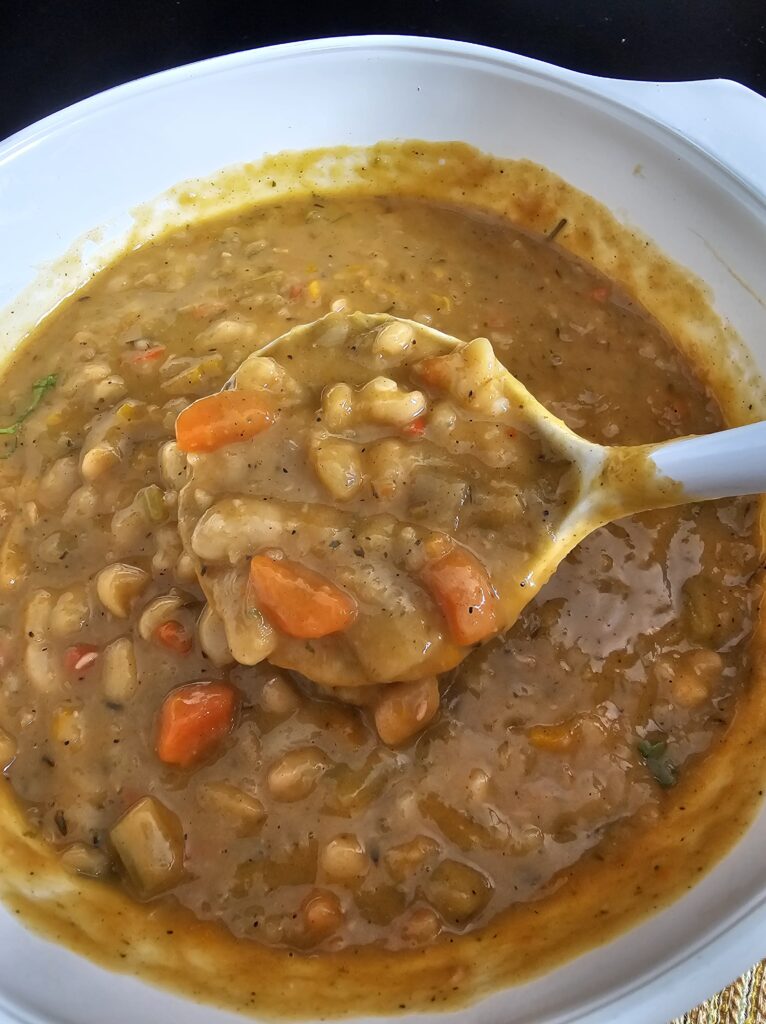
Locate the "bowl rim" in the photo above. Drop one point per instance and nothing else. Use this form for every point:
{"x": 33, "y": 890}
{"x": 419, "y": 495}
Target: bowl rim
{"x": 742, "y": 927}
{"x": 595, "y": 86}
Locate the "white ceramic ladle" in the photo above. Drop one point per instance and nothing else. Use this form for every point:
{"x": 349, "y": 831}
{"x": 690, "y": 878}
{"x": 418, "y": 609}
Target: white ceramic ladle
{"x": 617, "y": 481}
{"x": 614, "y": 481}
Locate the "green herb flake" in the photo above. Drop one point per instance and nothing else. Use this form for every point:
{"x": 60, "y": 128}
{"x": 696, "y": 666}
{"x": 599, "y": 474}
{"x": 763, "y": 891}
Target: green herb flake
{"x": 660, "y": 767}
{"x": 39, "y": 390}
{"x": 663, "y": 772}
{"x": 652, "y": 751}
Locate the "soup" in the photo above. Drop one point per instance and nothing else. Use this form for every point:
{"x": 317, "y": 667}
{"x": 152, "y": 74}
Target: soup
{"x": 305, "y": 816}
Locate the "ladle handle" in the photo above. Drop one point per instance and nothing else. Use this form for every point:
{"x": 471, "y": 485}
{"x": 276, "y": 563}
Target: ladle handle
{"x": 719, "y": 465}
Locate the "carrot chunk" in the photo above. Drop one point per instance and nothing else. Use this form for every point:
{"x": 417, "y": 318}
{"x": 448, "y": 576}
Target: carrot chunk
{"x": 459, "y": 584}
{"x": 80, "y": 657}
{"x": 297, "y": 600}
{"x": 174, "y": 636}
{"x": 222, "y": 419}
{"x": 194, "y": 719}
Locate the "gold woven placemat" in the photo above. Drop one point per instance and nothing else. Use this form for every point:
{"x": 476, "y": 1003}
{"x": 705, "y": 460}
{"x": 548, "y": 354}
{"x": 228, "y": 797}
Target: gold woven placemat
{"x": 743, "y": 1002}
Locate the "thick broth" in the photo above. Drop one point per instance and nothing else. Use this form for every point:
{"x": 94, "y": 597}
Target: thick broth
{"x": 610, "y": 687}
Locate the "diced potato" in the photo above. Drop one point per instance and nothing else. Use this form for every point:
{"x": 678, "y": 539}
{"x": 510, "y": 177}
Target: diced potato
{"x": 243, "y": 809}
{"x": 460, "y": 828}
{"x": 82, "y": 859}
{"x": 119, "y": 674}
{"x": 353, "y": 789}
{"x": 380, "y": 903}
{"x": 149, "y": 841}
{"x": 119, "y": 585}
{"x": 406, "y": 859}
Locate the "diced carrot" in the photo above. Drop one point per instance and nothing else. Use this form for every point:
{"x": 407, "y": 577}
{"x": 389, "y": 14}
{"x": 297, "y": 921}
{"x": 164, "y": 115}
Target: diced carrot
{"x": 435, "y": 371}
{"x": 416, "y": 428}
{"x": 193, "y": 720}
{"x": 297, "y": 600}
{"x": 600, "y": 294}
{"x": 149, "y": 355}
{"x": 459, "y": 584}
{"x": 174, "y": 636}
{"x": 221, "y": 419}
{"x": 79, "y": 658}
{"x": 296, "y": 290}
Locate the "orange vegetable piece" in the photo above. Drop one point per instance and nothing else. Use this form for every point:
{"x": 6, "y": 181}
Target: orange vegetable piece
{"x": 459, "y": 584}
{"x": 80, "y": 657}
{"x": 149, "y": 355}
{"x": 600, "y": 294}
{"x": 222, "y": 419}
{"x": 193, "y": 720}
{"x": 174, "y": 636}
{"x": 297, "y": 600}
{"x": 436, "y": 371}
{"x": 416, "y": 428}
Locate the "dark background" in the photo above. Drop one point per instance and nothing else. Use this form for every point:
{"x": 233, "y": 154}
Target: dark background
{"x": 54, "y": 52}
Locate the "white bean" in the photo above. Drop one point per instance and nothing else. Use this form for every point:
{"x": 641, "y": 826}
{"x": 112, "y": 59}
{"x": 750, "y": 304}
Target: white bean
{"x": 159, "y": 611}
{"x": 118, "y": 585}
{"x": 119, "y": 674}
{"x": 70, "y": 613}
{"x": 58, "y": 483}
{"x": 212, "y": 637}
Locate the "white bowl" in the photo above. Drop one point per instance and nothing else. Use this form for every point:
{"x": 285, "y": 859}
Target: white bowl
{"x": 700, "y": 196}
